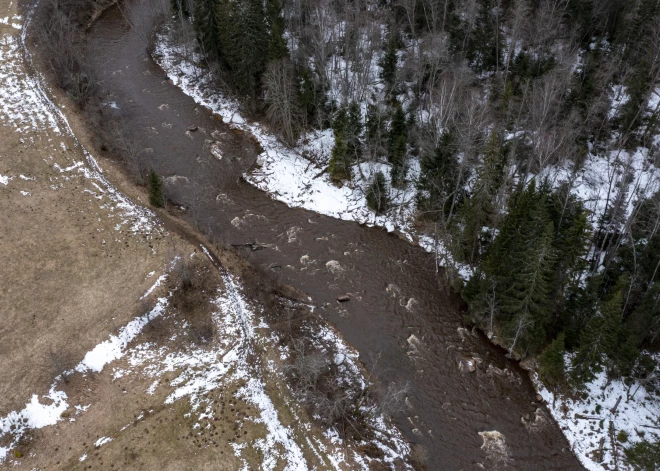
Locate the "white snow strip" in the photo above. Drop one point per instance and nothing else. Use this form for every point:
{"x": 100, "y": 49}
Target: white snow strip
{"x": 113, "y": 348}
{"x": 102, "y": 441}
{"x": 38, "y": 414}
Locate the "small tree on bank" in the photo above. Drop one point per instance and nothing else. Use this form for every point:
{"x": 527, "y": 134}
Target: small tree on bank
{"x": 155, "y": 187}
{"x": 377, "y": 199}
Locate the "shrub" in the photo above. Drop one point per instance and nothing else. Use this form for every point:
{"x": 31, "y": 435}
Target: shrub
{"x": 192, "y": 286}
{"x": 643, "y": 455}
{"x": 59, "y": 34}
{"x": 155, "y": 190}
{"x": 377, "y": 199}
{"x": 551, "y": 363}
{"x": 622, "y": 436}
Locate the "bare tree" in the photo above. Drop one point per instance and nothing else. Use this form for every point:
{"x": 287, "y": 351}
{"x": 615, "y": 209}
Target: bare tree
{"x": 523, "y": 324}
{"x": 284, "y": 112}
{"x": 60, "y": 364}
{"x": 129, "y": 149}
{"x": 519, "y": 19}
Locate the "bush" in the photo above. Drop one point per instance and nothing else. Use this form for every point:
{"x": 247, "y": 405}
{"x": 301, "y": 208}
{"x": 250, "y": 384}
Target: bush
{"x": 192, "y": 286}
{"x": 622, "y": 436}
{"x": 155, "y": 190}
{"x": 551, "y": 363}
{"x": 643, "y": 455}
{"x": 59, "y": 34}
{"x": 377, "y": 199}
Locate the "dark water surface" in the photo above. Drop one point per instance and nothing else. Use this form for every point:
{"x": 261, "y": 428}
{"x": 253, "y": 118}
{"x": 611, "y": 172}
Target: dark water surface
{"x": 395, "y": 292}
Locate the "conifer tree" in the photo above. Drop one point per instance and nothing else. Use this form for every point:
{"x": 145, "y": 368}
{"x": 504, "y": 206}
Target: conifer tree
{"x": 347, "y": 129}
{"x": 244, "y": 42}
{"x": 599, "y": 339}
{"x": 205, "y": 22}
{"x": 311, "y": 96}
{"x": 438, "y": 176}
{"x": 572, "y": 231}
{"x": 520, "y": 262}
{"x": 354, "y": 129}
{"x": 528, "y": 288}
{"x": 388, "y": 65}
{"x": 397, "y": 146}
{"x": 551, "y": 362}
{"x": 155, "y": 188}
{"x": 340, "y": 162}
{"x": 478, "y": 210}
{"x": 277, "y": 48}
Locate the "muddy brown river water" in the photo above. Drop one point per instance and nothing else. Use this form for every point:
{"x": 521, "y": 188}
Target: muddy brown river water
{"x": 402, "y": 320}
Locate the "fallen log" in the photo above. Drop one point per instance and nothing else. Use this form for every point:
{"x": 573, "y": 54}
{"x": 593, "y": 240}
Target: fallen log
{"x": 254, "y": 246}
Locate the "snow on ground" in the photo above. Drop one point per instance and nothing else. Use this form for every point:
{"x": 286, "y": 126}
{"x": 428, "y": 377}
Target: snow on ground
{"x": 39, "y": 413}
{"x": 204, "y": 369}
{"x": 601, "y": 175}
{"x": 585, "y": 422}
{"x": 102, "y": 441}
{"x": 200, "y": 370}
{"x": 284, "y": 172}
{"x": 297, "y": 181}
{"x": 26, "y": 106}
{"x": 288, "y": 176}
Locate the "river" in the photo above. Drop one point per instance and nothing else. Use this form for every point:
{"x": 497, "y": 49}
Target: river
{"x": 401, "y": 318}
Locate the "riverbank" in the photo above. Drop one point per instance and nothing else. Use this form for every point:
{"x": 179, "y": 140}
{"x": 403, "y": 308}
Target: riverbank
{"x": 398, "y": 316}
{"x": 151, "y": 368}
{"x": 297, "y": 176}
{"x": 299, "y": 181}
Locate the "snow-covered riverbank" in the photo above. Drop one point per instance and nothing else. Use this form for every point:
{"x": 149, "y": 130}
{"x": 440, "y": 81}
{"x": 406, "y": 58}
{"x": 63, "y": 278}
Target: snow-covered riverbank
{"x": 608, "y": 417}
{"x": 295, "y": 177}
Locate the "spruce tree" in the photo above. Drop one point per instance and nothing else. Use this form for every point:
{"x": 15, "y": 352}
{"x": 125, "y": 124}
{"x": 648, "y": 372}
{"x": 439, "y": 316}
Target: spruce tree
{"x": 340, "y": 161}
{"x": 155, "y": 188}
{"x": 205, "y": 22}
{"x": 277, "y": 48}
{"x": 397, "y": 146}
{"x": 439, "y": 171}
{"x": 388, "y": 65}
{"x": 347, "y": 129}
{"x": 354, "y": 129}
{"x": 572, "y": 232}
{"x": 244, "y": 40}
{"x": 599, "y": 339}
{"x": 520, "y": 262}
{"x": 551, "y": 362}
{"x": 479, "y": 209}
{"x": 310, "y": 95}
{"x": 528, "y": 287}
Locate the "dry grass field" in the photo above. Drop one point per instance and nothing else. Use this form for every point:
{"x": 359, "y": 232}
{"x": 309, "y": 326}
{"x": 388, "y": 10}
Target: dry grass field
{"x": 107, "y": 360}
